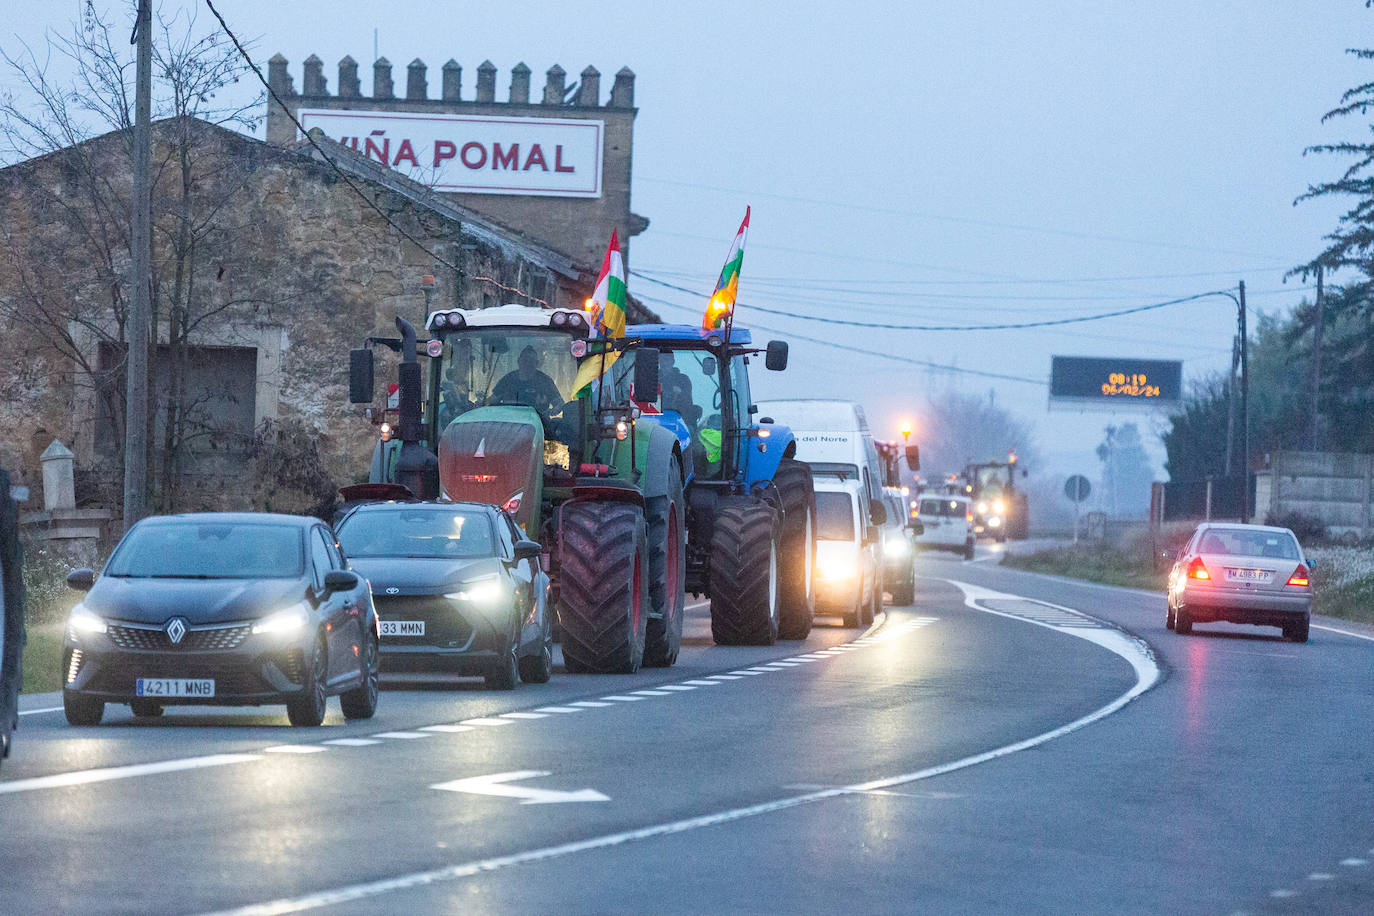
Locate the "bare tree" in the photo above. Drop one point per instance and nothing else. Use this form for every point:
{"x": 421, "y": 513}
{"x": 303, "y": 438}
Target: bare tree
{"x": 73, "y": 133}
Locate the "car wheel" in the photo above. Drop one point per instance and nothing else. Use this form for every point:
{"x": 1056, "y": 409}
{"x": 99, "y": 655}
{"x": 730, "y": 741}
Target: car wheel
{"x": 145, "y": 708}
{"x": 505, "y": 674}
{"x": 1169, "y": 618}
{"x": 968, "y": 549}
{"x": 1297, "y": 632}
{"x": 361, "y": 701}
{"x": 1183, "y": 622}
{"x": 537, "y": 669}
{"x": 307, "y": 707}
{"x": 82, "y": 710}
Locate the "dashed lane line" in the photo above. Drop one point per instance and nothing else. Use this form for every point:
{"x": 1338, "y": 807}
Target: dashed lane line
{"x": 524, "y": 715}
{"x": 402, "y": 736}
{"x": 618, "y": 698}
{"x": 1116, "y": 641}
{"x": 34, "y": 712}
{"x": 352, "y": 742}
{"x": 295, "y": 749}
{"x": 558, "y": 709}
{"x": 486, "y": 721}
{"x": 590, "y": 704}
{"x": 651, "y": 693}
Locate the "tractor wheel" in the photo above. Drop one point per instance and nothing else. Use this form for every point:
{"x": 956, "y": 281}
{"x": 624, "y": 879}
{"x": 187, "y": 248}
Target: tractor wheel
{"x": 603, "y": 553}
{"x": 744, "y": 575}
{"x": 667, "y": 529}
{"x": 797, "y": 550}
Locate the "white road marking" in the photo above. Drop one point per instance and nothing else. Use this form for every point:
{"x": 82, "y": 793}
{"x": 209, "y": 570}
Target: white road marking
{"x": 589, "y": 704}
{"x": 1354, "y": 863}
{"x": 724, "y": 677}
{"x": 1364, "y": 636}
{"x": 523, "y": 715}
{"x": 402, "y": 736}
{"x": 294, "y": 749}
{"x": 762, "y": 669}
{"x": 1320, "y": 876}
{"x": 34, "y": 712}
{"x": 784, "y": 664}
{"x": 497, "y": 784}
{"x": 622, "y": 699}
{"x": 486, "y": 721}
{"x": 677, "y": 687}
{"x": 652, "y": 693}
{"x": 352, "y": 742}
{"x": 447, "y": 729}
{"x": 714, "y": 683}
{"x": 1134, "y": 651}
{"x": 746, "y": 672}
{"x": 557, "y": 709}
{"x": 85, "y": 777}
{"x": 1283, "y": 893}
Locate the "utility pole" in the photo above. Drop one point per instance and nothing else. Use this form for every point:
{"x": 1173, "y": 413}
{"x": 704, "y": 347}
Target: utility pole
{"x": 1244, "y": 414}
{"x": 1231, "y": 399}
{"x": 136, "y": 382}
{"x": 1314, "y": 423}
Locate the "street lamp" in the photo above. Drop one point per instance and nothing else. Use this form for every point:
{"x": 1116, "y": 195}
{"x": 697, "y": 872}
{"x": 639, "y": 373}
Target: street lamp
{"x": 906, "y": 430}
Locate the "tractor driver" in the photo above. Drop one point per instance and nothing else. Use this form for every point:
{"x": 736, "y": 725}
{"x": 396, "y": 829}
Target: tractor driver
{"x": 529, "y": 386}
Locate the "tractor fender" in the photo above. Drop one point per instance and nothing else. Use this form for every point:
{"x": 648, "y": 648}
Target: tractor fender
{"x": 663, "y": 446}
{"x": 763, "y": 454}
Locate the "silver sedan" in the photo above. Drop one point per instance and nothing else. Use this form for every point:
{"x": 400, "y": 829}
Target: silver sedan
{"x": 1251, "y": 574}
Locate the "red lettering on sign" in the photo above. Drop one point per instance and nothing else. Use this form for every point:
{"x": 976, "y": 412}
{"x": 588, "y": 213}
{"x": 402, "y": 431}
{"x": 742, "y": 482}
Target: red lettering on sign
{"x": 536, "y": 155}
{"x": 443, "y": 149}
{"x": 382, "y": 153}
{"x": 481, "y": 151}
{"x": 507, "y": 159}
{"x": 558, "y": 165}
{"x": 405, "y": 152}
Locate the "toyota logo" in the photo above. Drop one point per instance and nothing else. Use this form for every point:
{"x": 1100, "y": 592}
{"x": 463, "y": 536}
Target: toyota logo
{"x": 176, "y": 629}
{"x": 393, "y": 590}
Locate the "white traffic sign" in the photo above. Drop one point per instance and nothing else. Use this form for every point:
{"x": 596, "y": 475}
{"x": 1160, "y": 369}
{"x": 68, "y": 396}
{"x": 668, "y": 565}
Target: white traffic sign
{"x": 498, "y": 784}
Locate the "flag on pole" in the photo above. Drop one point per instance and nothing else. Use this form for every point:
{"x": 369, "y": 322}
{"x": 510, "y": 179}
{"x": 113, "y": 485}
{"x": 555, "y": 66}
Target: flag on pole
{"x": 722, "y": 302}
{"x": 608, "y": 313}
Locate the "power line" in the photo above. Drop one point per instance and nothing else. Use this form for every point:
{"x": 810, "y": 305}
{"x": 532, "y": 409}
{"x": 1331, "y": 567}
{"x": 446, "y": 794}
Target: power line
{"x": 252, "y": 65}
{"x": 840, "y": 282}
{"x": 955, "y": 327}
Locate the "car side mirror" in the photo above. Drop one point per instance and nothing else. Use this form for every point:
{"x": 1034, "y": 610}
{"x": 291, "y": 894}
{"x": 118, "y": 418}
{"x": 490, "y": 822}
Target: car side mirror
{"x": 775, "y": 357}
{"x": 339, "y": 580}
{"x": 877, "y": 511}
{"x": 528, "y": 550}
{"x": 360, "y": 376}
{"x": 81, "y": 579}
{"x": 646, "y": 374}
{"x": 913, "y": 457}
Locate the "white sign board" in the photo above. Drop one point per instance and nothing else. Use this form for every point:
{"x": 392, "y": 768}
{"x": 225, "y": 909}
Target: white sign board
{"x": 473, "y": 154}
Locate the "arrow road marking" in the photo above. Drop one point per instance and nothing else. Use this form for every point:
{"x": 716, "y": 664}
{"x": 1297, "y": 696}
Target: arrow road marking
{"x": 496, "y": 784}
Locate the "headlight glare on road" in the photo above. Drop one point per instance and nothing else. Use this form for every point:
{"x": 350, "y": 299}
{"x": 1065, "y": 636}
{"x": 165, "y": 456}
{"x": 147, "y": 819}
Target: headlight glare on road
{"x": 482, "y": 592}
{"x": 83, "y": 621}
{"x": 283, "y": 622}
{"x": 837, "y": 559}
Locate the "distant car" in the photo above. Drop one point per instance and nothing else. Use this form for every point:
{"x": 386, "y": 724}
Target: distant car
{"x": 459, "y": 588}
{"x": 947, "y": 522}
{"x": 1251, "y": 574}
{"x": 223, "y": 609}
{"x": 899, "y": 548}
{"x": 848, "y": 567}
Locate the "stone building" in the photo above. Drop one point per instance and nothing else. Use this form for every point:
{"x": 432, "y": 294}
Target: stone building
{"x": 269, "y": 264}
{"x": 481, "y": 152}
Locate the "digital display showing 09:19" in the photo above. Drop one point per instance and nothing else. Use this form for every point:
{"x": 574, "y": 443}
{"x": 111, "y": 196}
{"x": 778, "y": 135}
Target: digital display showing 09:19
{"x": 1136, "y": 385}
{"x": 1115, "y": 379}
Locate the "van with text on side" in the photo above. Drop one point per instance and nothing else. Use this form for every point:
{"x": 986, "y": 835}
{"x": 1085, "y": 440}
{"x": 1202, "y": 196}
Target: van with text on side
{"x": 833, "y": 438}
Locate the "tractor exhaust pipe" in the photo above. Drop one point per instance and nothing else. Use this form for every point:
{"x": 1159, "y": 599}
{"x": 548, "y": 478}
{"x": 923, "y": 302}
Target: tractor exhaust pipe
{"x": 417, "y": 468}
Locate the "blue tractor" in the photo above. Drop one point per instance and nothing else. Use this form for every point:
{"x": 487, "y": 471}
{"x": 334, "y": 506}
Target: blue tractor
{"x": 751, "y": 505}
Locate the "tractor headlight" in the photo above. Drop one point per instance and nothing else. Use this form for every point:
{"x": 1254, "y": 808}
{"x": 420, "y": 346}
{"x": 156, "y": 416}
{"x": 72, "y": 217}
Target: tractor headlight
{"x": 982, "y": 508}
{"x": 994, "y": 522}
{"x": 837, "y": 559}
{"x": 998, "y": 506}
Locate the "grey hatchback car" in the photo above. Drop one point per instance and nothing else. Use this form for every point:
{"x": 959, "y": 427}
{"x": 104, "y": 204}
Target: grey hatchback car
{"x": 1250, "y": 574}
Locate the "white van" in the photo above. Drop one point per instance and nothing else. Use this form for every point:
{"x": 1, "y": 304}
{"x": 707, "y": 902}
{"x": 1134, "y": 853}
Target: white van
{"x": 833, "y": 437}
{"x": 947, "y": 523}
{"x": 848, "y": 559}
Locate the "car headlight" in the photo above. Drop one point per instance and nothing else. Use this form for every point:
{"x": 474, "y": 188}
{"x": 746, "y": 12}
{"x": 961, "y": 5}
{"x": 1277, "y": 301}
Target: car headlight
{"x": 481, "y": 592}
{"x": 982, "y": 508}
{"x": 83, "y": 621}
{"x": 896, "y": 547}
{"x": 283, "y": 622}
{"x": 994, "y": 522}
{"x": 998, "y": 506}
{"x": 837, "y": 559}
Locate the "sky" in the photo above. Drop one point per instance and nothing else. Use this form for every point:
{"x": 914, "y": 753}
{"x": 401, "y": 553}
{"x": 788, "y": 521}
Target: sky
{"x": 925, "y": 162}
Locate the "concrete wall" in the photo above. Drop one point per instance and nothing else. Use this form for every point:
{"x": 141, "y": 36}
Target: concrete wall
{"x": 1335, "y": 487}
{"x": 578, "y": 226}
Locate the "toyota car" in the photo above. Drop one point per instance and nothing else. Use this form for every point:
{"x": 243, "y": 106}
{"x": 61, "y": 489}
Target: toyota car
{"x": 459, "y": 588}
{"x": 225, "y": 609}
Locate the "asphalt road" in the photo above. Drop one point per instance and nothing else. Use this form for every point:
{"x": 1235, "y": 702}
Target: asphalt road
{"x": 1013, "y": 743}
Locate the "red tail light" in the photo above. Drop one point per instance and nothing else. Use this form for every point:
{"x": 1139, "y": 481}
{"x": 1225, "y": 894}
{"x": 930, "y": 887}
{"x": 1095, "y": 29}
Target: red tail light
{"x": 1198, "y": 570}
{"x": 1299, "y": 576}
{"x": 968, "y": 517}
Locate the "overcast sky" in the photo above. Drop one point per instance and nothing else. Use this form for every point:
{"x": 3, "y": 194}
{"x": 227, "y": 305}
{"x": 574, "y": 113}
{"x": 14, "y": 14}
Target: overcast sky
{"x": 925, "y": 162}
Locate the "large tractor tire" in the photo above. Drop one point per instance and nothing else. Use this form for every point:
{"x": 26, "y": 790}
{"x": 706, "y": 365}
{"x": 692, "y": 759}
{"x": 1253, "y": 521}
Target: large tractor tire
{"x": 744, "y": 575}
{"x": 667, "y": 530}
{"x": 797, "y": 549}
{"x": 603, "y": 553}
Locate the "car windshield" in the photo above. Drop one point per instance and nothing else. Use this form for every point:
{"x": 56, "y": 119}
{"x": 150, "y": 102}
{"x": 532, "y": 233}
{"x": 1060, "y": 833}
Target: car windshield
{"x": 834, "y": 469}
{"x": 944, "y": 508}
{"x": 411, "y": 532}
{"x": 1242, "y": 542}
{"x": 209, "y": 550}
{"x": 834, "y": 517}
{"x": 529, "y": 366}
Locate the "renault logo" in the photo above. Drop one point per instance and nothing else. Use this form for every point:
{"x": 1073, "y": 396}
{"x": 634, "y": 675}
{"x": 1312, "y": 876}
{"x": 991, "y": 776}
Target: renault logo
{"x": 176, "y": 628}
{"x": 393, "y": 590}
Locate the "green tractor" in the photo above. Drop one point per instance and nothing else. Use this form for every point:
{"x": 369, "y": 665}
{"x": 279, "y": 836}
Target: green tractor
{"x": 498, "y": 421}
